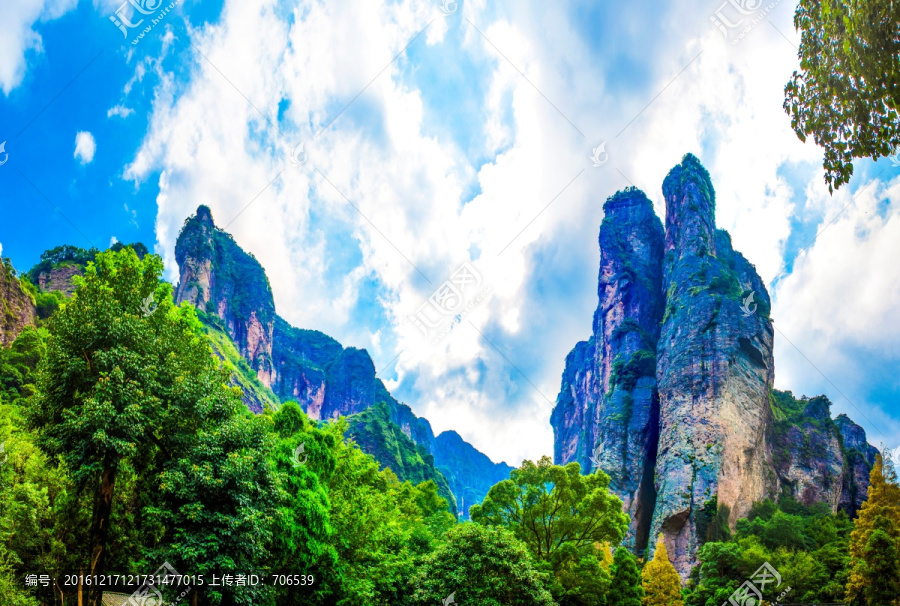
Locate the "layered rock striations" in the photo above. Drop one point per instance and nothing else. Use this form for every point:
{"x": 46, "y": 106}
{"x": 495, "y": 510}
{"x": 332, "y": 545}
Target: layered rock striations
{"x": 232, "y": 293}
{"x": 672, "y": 396}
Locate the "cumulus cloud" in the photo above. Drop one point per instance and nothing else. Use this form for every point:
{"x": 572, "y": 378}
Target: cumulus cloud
{"x": 392, "y": 199}
{"x": 18, "y": 35}
{"x": 837, "y": 310}
{"x": 119, "y": 111}
{"x": 85, "y": 146}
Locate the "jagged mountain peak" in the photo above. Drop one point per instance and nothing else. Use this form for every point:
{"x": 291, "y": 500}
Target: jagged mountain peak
{"x": 672, "y": 396}
{"x": 230, "y": 288}
{"x": 204, "y": 215}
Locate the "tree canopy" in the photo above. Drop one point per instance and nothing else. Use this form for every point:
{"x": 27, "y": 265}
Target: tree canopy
{"x": 565, "y": 518}
{"x": 847, "y": 93}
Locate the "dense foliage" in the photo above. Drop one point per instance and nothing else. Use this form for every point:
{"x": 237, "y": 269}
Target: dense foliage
{"x": 481, "y": 566}
{"x": 874, "y": 572}
{"x": 565, "y": 518}
{"x": 625, "y": 588}
{"x": 846, "y": 95}
{"x": 384, "y": 440}
{"x": 126, "y": 444}
{"x": 807, "y": 545}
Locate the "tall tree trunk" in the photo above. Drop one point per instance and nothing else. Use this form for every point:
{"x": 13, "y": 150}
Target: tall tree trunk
{"x": 100, "y": 532}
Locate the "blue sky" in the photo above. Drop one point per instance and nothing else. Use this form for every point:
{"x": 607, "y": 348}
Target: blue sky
{"x": 458, "y": 138}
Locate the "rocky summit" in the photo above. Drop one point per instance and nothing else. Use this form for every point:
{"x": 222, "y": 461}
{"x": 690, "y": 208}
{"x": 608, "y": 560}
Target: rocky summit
{"x": 273, "y": 362}
{"x": 673, "y": 394}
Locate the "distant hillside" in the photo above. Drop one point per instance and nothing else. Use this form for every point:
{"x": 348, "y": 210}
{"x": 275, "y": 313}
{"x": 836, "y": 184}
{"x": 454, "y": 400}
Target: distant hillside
{"x": 377, "y": 435}
{"x": 327, "y": 379}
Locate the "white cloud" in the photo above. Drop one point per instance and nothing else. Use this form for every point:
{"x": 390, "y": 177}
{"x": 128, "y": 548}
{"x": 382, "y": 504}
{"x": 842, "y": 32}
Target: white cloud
{"x": 85, "y": 146}
{"x": 18, "y": 36}
{"x": 119, "y": 111}
{"x": 839, "y": 308}
{"x": 113, "y": 240}
{"x": 211, "y": 146}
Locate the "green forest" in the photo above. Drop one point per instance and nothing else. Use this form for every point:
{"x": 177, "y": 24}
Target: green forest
{"x": 127, "y": 449}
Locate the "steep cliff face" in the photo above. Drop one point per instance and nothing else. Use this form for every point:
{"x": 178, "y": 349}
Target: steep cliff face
{"x": 218, "y": 277}
{"x": 817, "y": 458}
{"x": 255, "y": 395}
{"x": 807, "y": 449}
{"x": 16, "y": 306}
{"x": 859, "y": 457}
{"x": 714, "y": 370}
{"x": 672, "y": 395}
{"x": 60, "y": 278}
{"x": 301, "y": 359}
{"x": 607, "y": 412}
{"x": 281, "y": 362}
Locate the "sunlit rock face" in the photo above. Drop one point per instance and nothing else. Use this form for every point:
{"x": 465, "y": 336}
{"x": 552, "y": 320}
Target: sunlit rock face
{"x": 672, "y": 395}
{"x": 714, "y": 369}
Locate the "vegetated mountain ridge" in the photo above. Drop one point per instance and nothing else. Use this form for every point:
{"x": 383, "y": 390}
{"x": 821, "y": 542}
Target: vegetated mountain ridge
{"x": 27, "y": 297}
{"x": 673, "y": 395}
{"x": 328, "y": 380}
